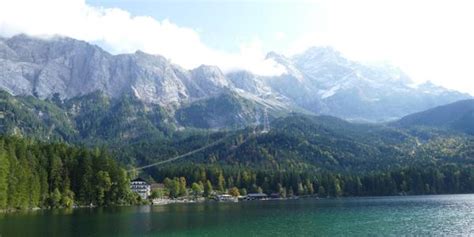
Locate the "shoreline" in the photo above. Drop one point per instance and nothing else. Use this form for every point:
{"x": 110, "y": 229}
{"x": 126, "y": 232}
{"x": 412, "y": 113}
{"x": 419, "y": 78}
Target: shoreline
{"x": 164, "y": 201}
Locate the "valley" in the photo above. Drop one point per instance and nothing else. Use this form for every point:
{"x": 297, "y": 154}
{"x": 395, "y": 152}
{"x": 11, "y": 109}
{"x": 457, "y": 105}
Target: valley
{"x": 206, "y": 126}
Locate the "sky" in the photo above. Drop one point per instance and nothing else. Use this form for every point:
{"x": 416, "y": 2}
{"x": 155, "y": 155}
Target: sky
{"x": 429, "y": 40}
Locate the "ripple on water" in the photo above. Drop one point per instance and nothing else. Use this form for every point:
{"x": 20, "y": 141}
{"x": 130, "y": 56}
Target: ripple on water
{"x": 418, "y": 215}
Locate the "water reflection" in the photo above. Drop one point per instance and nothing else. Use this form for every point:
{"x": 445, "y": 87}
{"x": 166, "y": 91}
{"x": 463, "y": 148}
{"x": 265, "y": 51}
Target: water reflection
{"x": 424, "y": 215}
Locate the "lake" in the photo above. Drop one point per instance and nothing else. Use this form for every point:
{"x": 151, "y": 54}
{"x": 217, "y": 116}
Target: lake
{"x": 413, "y": 215}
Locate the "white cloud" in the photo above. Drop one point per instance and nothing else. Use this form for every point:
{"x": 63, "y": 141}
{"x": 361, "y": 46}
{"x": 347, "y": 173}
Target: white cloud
{"x": 429, "y": 39}
{"x": 120, "y": 32}
{"x": 280, "y": 35}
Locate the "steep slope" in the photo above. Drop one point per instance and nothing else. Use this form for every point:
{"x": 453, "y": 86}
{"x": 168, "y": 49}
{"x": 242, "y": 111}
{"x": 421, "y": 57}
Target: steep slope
{"x": 141, "y": 133}
{"x": 98, "y": 118}
{"x": 30, "y": 117}
{"x": 226, "y": 110}
{"x": 312, "y": 143}
{"x": 91, "y": 119}
{"x": 333, "y": 85}
{"x": 319, "y": 81}
{"x": 458, "y": 116}
{"x": 73, "y": 68}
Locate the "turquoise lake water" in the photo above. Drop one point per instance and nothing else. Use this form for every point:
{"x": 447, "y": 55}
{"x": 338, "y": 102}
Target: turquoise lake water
{"x": 445, "y": 215}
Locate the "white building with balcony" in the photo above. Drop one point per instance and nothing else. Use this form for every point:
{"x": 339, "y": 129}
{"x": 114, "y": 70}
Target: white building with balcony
{"x": 141, "y": 187}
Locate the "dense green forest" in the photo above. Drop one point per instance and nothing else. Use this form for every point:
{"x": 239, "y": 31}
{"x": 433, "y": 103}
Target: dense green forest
{"x": 311, "y": 143}
{"x": 35, "y": 174}
{"x": 445, "y": 179}
{"x": 458, "y": 116}
{"x": 301, "y": 154}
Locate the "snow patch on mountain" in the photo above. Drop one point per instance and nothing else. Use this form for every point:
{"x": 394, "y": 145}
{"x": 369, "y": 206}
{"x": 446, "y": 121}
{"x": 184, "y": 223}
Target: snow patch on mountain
{"x": 319, "y": 80}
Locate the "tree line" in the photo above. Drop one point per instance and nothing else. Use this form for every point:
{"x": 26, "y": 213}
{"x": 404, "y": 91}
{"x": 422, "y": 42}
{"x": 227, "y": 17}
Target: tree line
{"x": 445, "y": 179}
{"x": 35, "y": 174}
{"x": 40, "y": 175}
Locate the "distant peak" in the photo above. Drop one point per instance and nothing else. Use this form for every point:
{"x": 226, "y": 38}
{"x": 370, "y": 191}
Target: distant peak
{"x": 23, "y": 37}
{"x": 145, "y": 55}
{"x": 208, "y": 70}
{"x": 320, "y": 53}
{"x": 204, "y": 67}
{"x": 278, "y": 58}
{"x": 273, "y": 55}
{"x": 140, "y": 53}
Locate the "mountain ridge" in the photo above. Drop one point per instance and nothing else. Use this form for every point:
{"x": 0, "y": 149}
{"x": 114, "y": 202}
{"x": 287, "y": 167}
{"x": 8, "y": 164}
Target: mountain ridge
{"x": 318, "y": 81}
{"x": 457, "y": 116}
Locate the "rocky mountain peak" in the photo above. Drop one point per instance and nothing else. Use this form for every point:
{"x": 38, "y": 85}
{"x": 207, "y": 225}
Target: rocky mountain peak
{"x": 320, "y": 54}
{"x": 207, "y": 70}
{"x": 320, "y": 80}
{"x": 209, "y": 79}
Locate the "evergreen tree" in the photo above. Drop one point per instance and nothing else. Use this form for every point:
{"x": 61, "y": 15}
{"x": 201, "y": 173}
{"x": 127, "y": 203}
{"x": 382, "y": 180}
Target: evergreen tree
{"x": 182, "y": 186}
{"x": 55, "y": 198}
{"x": 13, "y": 178}
{"x": 102, "y": 186}
{"x": 221, "y": 183}
{"x": 207, "y": 188}
{"x": 34, "y": 174}
{"x": 4, "y": 177}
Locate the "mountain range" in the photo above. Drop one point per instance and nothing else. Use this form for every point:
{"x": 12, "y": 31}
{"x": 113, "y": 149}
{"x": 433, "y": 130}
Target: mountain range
{"x": 146, "y": 109}
{"x": 319, "y": 81}
{"x": 139, "y": 134}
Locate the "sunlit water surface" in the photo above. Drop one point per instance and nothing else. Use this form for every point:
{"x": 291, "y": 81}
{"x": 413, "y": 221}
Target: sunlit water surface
{"x": 445, "y": 215}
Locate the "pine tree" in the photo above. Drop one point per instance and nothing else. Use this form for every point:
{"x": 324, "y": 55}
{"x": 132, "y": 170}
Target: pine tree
{"x": 44, "y": 187}
{"x": 221, "y": 183}
{"x": 33, "y": 174}
{"x": 85, "y": 189}
{"x": 13, "y": 178}
{"x": 182, "y": 187}
{"x": 55, "y": 198}
{"x": 23, "y": 185}
{"x": 4, "y": 175}
{"x": 55, "y": 169}
{"x": 207, "y": 188}
{"x": 67, "y": 199}
{"x": 102, "y": 187}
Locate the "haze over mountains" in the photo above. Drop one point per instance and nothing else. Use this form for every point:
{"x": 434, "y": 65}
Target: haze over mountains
{"x": 319, "y": 81}
{"x": 458, "y": 116}
{"x": 146, "y": 109}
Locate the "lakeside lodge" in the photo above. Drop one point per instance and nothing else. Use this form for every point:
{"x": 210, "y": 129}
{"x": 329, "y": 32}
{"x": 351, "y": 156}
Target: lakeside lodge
{"x": 141, "y": 187}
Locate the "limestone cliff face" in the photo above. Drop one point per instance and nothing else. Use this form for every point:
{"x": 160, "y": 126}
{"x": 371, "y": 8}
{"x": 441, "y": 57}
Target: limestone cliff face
{"x": 72, "y": 68}
{"x": 319, "y": 80}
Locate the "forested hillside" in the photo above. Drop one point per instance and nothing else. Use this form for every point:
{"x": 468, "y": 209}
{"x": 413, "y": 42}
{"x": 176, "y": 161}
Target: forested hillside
{"x": 301, "y": 154}
{"x": 143, "y": 134}
{"x": 310, "y": 143}
{"x": 458, "y": 116}
{"x": 90, "y": 119}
